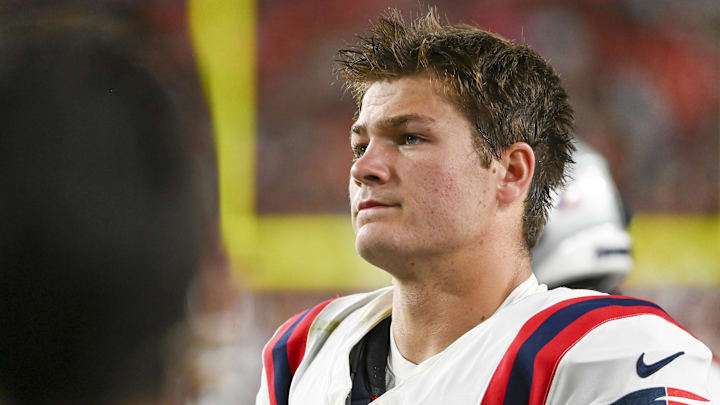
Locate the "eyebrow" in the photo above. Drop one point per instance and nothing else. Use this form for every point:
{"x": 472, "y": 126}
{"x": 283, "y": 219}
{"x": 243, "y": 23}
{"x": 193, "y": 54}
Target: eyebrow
{"x": 393, "y": 122}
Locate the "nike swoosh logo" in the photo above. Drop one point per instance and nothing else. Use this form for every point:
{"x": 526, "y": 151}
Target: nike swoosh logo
{"x": 646, "y": 370}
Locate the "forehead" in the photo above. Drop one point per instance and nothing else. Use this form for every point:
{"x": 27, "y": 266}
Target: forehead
{"x": 407, "y": 96}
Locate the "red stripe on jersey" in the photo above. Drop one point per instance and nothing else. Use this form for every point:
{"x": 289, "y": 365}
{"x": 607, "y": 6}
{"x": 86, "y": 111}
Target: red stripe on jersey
{"x": 549, "y": 357}
{"x": 268, "y": 357}
{"x": 495, "y": 393}
{"x": 298, "y": 340}
{"x": 678, "y": 393}
{"x": 286, "y": 349}
{"x": 599, "y": 309}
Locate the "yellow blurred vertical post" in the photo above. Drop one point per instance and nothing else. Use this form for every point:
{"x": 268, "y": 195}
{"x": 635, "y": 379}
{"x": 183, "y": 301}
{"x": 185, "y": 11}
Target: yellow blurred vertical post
{"x": 223, "y": 33}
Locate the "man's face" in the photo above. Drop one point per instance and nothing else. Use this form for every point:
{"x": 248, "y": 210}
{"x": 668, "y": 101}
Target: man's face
{"x": 417, "y": 186}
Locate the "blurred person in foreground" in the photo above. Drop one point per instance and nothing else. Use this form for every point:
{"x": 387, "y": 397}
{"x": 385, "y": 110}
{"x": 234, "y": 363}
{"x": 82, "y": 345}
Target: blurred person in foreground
{"x": 585, "y": 243}
{"x": 459, "y": 139}
{"x": 100, "y": 224}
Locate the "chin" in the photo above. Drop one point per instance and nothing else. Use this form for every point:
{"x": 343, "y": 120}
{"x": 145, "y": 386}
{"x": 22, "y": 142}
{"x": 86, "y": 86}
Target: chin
{"x": 377, "y": 248}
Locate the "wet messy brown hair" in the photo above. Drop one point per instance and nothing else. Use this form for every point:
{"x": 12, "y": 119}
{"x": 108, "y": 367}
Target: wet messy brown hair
{"x": 506, "y": 90}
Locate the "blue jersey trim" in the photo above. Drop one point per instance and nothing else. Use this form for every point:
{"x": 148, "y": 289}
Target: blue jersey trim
{"x": 521, "y": 375}
{"x": 281, "y": 364}
{"x": 648, "y": 396}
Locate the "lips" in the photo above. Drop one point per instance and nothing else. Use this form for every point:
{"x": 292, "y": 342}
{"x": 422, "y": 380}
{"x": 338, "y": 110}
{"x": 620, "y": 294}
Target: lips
{"x": 368, "y": 204}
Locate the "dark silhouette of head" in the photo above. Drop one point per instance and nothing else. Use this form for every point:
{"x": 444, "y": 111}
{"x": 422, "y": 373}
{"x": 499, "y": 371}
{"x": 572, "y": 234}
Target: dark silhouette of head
{"x": 100, "y": 226}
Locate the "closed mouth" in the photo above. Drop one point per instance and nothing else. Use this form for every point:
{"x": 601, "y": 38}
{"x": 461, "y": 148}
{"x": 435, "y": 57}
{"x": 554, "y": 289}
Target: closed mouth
{"x": 370, "y": 204}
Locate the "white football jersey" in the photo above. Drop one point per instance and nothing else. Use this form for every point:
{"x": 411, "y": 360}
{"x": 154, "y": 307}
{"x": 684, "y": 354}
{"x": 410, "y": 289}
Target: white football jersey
{"x": 543, "y": 347}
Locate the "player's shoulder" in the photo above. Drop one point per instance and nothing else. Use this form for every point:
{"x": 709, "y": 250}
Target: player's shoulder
{"x": 564, "y": 306}
{"x": 327, "y": 315}
{"x": 596, "y": 310}
{"x": 572, "y": 315}
{"x": 313, "y": 325}
{"x": 573, "y": 336}
{"x": 298, "y": 340}
{"x": 595, "y": 336}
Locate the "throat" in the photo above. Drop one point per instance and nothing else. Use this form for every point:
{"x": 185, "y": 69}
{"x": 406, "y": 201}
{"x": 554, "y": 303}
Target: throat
{"x": 429, "y": 318}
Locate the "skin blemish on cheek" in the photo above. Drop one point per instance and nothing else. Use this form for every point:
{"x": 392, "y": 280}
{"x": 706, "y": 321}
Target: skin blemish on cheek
{"x": 449, "y": 186}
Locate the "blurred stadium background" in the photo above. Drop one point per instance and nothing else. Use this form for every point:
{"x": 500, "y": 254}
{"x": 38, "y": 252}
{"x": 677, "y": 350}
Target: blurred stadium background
{"x": 257, "y": 83}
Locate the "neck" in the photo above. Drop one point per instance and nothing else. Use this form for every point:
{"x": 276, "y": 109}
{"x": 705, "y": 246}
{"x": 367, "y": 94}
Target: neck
{"x": 446, "y": 298}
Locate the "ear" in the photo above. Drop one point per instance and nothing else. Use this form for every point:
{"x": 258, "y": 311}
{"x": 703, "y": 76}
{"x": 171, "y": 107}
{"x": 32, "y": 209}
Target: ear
{"x": 517, "y": 167}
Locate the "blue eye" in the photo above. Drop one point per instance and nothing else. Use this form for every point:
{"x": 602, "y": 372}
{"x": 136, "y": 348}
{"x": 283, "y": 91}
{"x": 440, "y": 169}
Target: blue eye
{"x": 409, "y": 139}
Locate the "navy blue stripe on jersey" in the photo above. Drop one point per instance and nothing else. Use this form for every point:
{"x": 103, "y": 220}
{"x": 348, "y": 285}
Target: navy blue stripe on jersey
{"x": 648, "y": 396}
{"x": 521, "y": 376}
{"x": 281, "y": 363}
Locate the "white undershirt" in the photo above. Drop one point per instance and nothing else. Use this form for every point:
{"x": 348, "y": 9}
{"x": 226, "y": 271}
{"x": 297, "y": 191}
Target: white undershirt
{"x": 399, "y": 368}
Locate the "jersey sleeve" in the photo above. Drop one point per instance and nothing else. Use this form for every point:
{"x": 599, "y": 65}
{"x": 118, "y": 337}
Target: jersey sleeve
{"x": 283, "y": 354}
{"x": 636, "y": 359}
{"x": 601, "y": 350}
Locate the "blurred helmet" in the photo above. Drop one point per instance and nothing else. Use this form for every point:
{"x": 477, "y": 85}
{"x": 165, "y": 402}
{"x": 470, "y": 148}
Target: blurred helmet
{"x": 585, "y": 243}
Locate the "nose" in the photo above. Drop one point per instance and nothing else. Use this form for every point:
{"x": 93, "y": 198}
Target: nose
{"x": 372, "y": 167}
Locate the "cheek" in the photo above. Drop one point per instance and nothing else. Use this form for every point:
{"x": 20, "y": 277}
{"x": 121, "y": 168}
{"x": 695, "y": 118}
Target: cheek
{"x": 446, "y": 183}
{"x": 452, "y": 196}
{"x": 439, "y": 190}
